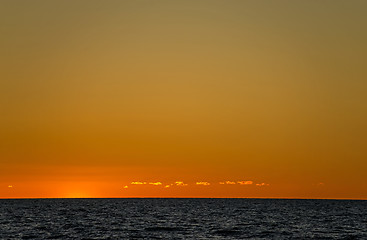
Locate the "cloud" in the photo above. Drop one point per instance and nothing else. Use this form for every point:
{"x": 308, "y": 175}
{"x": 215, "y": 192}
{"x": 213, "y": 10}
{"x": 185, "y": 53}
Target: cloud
{"x": 126, "y": 187}
{"x": 167, "y": 186}
{"x": 262, "y": 184}
{"x": 222, "y": 183}
{"x": 245, "y": 182}
{"x": 138, "y": 183}
{"x": 231, "y": 183}
{"x": 10, "y": 186}
{"x": 203, "y": 183}
{"x": 155, "y": 183}
{"x": 182, "y": 184}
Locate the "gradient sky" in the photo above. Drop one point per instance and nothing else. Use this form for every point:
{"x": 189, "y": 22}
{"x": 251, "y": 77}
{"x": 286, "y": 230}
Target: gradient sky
{"x": 96, "y": 96}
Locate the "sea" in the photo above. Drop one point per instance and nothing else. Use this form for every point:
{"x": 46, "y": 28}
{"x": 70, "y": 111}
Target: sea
{"x": 182, "y": 218}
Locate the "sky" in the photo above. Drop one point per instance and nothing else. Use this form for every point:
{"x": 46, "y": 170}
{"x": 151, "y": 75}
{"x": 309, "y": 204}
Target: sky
{"x": 185, "y": 98}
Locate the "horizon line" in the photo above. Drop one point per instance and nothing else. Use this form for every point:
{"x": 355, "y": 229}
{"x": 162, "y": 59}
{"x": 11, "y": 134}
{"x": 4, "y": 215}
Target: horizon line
{"x": 264, "y": 198}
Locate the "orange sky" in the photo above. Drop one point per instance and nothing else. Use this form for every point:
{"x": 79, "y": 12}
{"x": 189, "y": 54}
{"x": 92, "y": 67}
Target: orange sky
{"x": 95, "y": 95}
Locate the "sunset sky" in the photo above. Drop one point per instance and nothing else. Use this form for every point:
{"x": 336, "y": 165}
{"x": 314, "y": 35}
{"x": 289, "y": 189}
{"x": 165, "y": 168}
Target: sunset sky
{"x": 194, "y": 98}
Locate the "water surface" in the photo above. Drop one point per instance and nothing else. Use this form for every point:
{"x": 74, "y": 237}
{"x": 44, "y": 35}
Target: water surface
{"x": 182, "y": 219}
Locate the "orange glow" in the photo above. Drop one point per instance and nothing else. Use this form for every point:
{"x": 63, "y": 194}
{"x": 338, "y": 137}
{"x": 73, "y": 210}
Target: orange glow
{"x": 77, "y": 190}
{"x": 77, "y": 195}
{"x": 183, "y": 99}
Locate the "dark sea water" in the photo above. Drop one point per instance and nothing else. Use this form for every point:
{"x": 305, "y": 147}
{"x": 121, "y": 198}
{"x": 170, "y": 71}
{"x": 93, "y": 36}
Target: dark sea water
{"x": 182, "y": 219}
